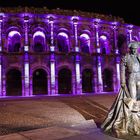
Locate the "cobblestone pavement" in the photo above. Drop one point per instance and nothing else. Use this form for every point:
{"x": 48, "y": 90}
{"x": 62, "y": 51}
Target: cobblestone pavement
{"x": 21, "y": 114}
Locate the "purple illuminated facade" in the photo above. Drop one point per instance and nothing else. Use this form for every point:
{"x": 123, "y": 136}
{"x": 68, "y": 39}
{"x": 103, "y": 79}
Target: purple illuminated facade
{"x": 52, "y": 52}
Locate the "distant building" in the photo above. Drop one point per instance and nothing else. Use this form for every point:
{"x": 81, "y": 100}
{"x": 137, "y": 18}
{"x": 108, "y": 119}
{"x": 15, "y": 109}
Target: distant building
{"x": 53, "y": 52}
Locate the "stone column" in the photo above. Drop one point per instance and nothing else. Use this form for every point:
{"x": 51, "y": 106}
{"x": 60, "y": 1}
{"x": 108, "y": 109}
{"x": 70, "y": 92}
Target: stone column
{"x": 2, "y": 68}
{"x": 49, "y": 90}
{"x": 78, "y": 75}
{"x": 129, "y": 33}
{"x": 74, "y": 84}
{"x": 75, "y": 24}
{"x": 99, "y": 67}
{"x": 78, "y": 83}
{"x": 31, "y": 84}
{"x": 3, "y": 82}
{"x": 1, "y": 20}
{"x": 114, "y": 28}
{"x": 52, "y": 69}
{"x": 26, "y": 70}
{"x": 116, "y": 75}
{"x": 95, "y": 77}
{"x": 52, "y": 59}
{"x": 117, "y": 84}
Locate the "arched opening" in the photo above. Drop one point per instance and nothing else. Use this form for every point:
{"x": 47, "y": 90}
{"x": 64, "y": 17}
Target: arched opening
{"x": 84, "y": 43}
{"x": 14, "y": 41}
{"x": 122, "y": 44}
{"x": 87, "y": 84}
{"x": 39, "y": 41}
{"x": 63, "y": 42}
{"x": 13, "y": 83}
{"x": 64, "y": 81}
{"x": 40, "y": 84}
{"x": 104, "y": 45}
{"x": 107, "y": 80}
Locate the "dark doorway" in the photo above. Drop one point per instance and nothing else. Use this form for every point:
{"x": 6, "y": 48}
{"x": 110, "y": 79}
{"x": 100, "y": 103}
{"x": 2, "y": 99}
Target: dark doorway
{"x": 87, "y": 77}
{"x": 64, "y": 81}
{"x": 38, "y": 47}
{"x": 13, "y": 83}
{"x": 16, "y": 47}
{"x": 107, "y": 80}
{"x": 40, "y": 84}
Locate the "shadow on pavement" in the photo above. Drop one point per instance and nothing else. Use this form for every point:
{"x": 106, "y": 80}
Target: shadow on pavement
{"x": 88, "y": 108}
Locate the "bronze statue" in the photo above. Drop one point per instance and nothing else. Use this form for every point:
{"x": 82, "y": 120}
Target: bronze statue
{"x": 130, "y": 71}
{"x": 123, "y": 119}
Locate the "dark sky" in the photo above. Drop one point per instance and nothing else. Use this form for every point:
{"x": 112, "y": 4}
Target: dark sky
{"x": 129, "y": 10}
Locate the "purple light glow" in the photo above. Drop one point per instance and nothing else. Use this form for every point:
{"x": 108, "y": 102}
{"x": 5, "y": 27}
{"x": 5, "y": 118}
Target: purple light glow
{"x": 75, "y": 35}
{"x": 118, "y": 71}
{"x": 75, "y": 19}
{"x": 51, "y": 18}
{"x": 98, "y": 50}
{"x": 104, "y": 44}
{"x": 12, "y": 33}
{"x": 52, "y": 48}
{"x": 52, "y": 38}
{"x": 130, "y": 27}
{"x": 0, "y": 80}
{"x": 61, "y": 39}
{"x": 78, "y": 79}
{"x": 1, "y": 17}
{"x": 115, "y": 23}
{"x": 53, "y": 84}
{"x": 97, "y": 20}
{"x": 63, "y": 35}
{"x": 85, "y": 38}
{"x": 26, "y": 78}
{"x": 100, "y": 80}
{"x": 26, "y": 48}
{"x": 52, "y": 73}
{"x": 97, "y": 36}
{"x": 76, "y": 49}
{"x": 103, "y": 37}
{"x": 39, "y": 33}
{"x": 27, "y": 73}
{"x": 0, "y": 37}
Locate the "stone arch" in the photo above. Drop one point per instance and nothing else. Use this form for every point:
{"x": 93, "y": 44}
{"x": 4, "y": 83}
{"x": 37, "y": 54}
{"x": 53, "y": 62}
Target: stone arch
{"x": 13, "y": 40}
{"x": 39, "y": 41}
{"x": 38, "y": 66}
{"x": 85, "y": 42}
{"x": 14, "y": 82}
{"x": 63, "y": 40}
{"x": 104, "y": 41}
{"x": 107, "y": 79}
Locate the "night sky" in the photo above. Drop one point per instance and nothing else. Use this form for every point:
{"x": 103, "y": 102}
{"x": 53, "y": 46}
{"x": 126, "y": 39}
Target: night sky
{"x": 129, "y": 11}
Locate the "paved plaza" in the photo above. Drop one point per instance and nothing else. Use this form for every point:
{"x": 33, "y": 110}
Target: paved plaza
{"x": 54, "y": 117}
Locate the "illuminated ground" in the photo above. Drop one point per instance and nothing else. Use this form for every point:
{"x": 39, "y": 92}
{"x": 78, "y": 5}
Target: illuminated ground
{"x": 69, "y": 116}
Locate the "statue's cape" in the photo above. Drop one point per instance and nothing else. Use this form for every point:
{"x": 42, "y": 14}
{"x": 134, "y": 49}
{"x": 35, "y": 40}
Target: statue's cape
{"x": 116, "y": 109}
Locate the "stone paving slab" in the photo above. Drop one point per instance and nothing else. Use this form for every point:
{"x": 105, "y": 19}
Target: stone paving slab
{"x": 83, "y": 131}
{"x": 35, "y": 118}
{"x": 58, "y": 133}
{"x": 14, "y": 136}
